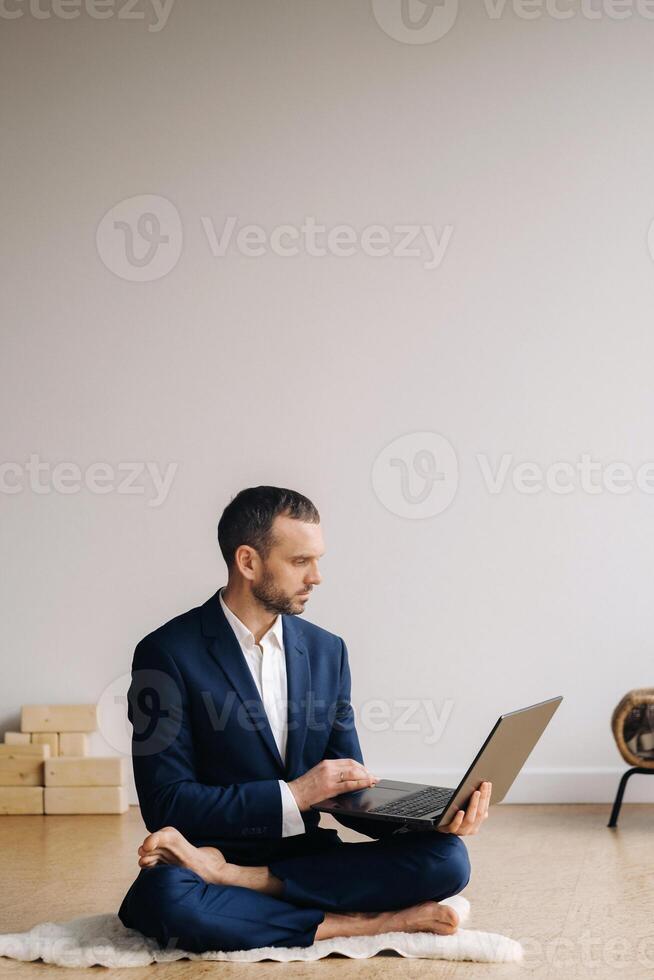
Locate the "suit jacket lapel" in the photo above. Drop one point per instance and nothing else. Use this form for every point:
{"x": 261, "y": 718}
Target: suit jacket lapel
{"x": 298, "y": 684}
{"x": 226, "y": 651}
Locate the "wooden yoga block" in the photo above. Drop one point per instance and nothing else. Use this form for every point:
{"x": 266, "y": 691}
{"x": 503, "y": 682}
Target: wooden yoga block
{"x": 21, "y": 799}
{"x": 59, "y": 718}
{"x": 92, "y": 770}
{"x": 73, "y": 743}
{"x": 23, "y": 768}
{"x": 85, "y": 799}
{"x": 37, "y": 751}
{"x": 47, "y": 738}
{"x": 17, "y": 738}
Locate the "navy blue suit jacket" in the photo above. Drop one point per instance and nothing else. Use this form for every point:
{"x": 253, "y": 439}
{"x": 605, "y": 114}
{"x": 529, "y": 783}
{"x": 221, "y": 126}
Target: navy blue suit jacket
{"x": 205, "y": 760}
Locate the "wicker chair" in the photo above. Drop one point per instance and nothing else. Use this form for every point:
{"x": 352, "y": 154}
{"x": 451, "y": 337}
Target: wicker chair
{"x": 633, "y": 719}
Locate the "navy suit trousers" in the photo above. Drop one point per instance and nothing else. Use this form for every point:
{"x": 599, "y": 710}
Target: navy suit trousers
{"x": 177, "y": 908}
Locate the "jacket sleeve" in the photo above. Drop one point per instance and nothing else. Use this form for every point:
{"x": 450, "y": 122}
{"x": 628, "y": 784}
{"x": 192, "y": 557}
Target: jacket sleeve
{"x": 344, "y": 744}
{"x": 164, "y": 765}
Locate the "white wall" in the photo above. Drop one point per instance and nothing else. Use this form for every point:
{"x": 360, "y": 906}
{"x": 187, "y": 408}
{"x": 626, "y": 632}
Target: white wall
{"x": 532, "y": 337}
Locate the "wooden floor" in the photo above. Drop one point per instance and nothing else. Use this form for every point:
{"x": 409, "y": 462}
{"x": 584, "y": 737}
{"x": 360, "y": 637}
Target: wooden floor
{"x": 579, "y": 896}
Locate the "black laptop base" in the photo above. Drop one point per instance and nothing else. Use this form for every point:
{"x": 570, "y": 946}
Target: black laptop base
{"x": 391, "y": 801}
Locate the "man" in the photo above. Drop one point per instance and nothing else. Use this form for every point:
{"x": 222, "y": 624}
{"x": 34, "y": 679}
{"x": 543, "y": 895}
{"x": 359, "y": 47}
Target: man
{"x": 242, "y": 719}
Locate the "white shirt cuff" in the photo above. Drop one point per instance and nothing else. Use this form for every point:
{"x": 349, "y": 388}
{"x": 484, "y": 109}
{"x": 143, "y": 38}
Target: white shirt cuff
{"x": 292, "y": 822}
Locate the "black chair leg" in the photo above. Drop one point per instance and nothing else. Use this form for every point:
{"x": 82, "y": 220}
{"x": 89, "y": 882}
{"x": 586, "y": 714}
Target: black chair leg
{"x": 615, "y": 812}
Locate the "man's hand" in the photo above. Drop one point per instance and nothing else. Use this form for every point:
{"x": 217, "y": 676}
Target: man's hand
{"x": 475, "y": 814}
{"x": 330, "y": 778}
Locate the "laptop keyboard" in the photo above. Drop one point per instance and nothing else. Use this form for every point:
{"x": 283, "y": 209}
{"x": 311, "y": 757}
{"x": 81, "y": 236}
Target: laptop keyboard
{"x": 417, "y": 804}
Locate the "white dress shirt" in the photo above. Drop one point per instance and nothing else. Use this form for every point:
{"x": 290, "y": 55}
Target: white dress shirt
{"x": 267, "y": 663}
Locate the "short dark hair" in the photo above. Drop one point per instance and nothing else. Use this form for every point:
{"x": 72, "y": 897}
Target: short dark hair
{"x": 248, "y": 518}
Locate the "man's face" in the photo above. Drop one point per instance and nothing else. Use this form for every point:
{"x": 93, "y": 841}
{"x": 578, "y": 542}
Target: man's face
{"x": 283, "y": 581}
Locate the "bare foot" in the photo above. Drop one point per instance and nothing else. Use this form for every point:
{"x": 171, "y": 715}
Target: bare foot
{"x": 427, "y": 917}
{"x": 168, "y": 846}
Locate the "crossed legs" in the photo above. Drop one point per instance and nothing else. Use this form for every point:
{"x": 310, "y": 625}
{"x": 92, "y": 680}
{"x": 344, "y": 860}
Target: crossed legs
{"x": 195, "y": 899}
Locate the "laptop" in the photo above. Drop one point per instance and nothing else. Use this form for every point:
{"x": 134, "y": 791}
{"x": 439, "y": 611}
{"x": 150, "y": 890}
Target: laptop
{"x": 420, "y": 806}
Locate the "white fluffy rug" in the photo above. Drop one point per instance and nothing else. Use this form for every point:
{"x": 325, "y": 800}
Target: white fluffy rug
{"x": 102, "y": 940}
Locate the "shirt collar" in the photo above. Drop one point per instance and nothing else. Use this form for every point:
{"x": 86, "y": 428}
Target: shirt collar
{"x": 245, "y": 636}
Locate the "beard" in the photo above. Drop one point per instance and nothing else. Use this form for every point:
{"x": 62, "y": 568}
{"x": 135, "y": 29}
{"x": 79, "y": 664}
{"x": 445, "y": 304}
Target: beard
{"x": 273, "y": 599}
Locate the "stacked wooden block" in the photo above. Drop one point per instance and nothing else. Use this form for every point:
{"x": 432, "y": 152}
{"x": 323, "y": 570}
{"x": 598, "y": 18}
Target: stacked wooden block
{"x": 46, "y": 767}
